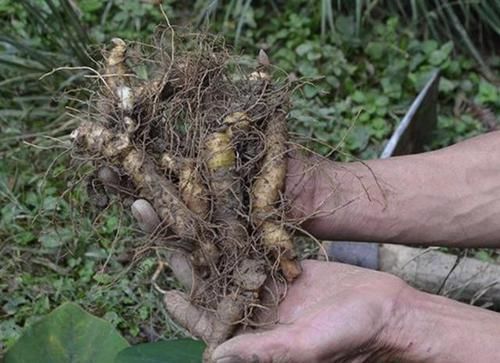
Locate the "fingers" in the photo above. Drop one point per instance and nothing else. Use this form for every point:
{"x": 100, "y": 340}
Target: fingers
{"x": 145, "y": 215}
{"x": 183, "y": 270}
{"x": 199, "y": 323}
{"x": 179, "y": 262}
{"x": 265, "y": 347}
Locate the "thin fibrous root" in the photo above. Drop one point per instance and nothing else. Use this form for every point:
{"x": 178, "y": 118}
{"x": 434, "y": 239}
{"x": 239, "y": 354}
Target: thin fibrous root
{"x": 178, "y": 261}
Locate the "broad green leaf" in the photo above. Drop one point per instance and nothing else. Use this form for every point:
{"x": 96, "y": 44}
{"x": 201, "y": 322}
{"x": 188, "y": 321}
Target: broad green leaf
{"x": 304, "y": 48}
{"x": 9, "y": 331}
{"x": 391, "y": 88}
{"x": 447, "y": 48}
{"x": 357, "y": 138}
{"x": 429, "y": 46}
{"x": 446, "y": 86}
{"x": 488, "y": 93}
{"x": 375, "y": 50}
{"x": 437, "y": 57}
{"x": 310, "y": 91}
{"x": 67, "y": 335}
{"x": 307, "y": 69}
{"x": 358, "y": 97}
{"x": 382, "y": 101}
{"x": 345, "y": 25}
{"x": 173, "y": 351}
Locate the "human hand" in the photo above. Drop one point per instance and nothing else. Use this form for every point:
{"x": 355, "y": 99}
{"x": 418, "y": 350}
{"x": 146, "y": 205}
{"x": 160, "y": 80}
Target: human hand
{"x": 332, "y": 313}
{"x": 340, "y": 313}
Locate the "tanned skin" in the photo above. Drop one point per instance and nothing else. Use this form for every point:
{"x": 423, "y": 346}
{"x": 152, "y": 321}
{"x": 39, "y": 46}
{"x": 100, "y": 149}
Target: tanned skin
{"x": 340, "y": 313}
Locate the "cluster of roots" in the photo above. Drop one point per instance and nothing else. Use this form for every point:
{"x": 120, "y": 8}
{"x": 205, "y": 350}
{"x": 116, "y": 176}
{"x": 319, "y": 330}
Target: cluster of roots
{"x": 199, "y": 140}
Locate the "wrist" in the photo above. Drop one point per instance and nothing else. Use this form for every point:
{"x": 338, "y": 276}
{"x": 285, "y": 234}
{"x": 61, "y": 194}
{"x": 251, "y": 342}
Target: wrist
{"x": 331, "y": 199}
{"x": 430, "y": 328}
{"x": 402, "y": 338}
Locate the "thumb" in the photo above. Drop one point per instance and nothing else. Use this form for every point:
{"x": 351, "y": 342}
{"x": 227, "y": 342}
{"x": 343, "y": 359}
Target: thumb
{"x": 263, "y": 347}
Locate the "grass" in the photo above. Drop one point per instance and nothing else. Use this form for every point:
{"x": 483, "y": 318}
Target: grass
{"x": 473, "y": 25}
{"x": 56, "y": 246}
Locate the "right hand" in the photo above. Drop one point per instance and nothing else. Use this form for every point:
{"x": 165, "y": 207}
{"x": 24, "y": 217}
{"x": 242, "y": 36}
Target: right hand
{"x": 332, "y": 313}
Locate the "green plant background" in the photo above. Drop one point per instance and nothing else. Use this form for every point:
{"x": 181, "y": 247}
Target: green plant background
{"x": 363, "y": 63}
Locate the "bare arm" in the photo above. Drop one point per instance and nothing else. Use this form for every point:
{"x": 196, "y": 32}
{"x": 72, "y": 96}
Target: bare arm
{"x": 436, "y": 329}
{"x": 449, "y": 197}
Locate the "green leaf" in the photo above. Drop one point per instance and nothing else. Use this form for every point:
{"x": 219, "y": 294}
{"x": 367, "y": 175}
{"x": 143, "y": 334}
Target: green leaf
{"x": 375, "y": 50}
{"x": 67, "y": 335}
{"x": 357, "y": 138}
{"x": 345, "y": 25}
{"x": 173, "y": 351}
{"x": 446, "y": 86}
{"x": 429, "y": 46}
{"x": 52, "y": 238}
{"x": 9, "y": 331}
{"x": 484, "y": 255}
{"x": 310, "y": 91}
{"x": 358, "y": 97}
{"x": 304, "y": 48}
{"x": 382, "y": 101}
{"x": 307, "y": 69}
{"x": 447, "y": 48}
{"x": 391, "y": 88}
{"x": 437, "y": 57}
{"x": 488, "y": 93}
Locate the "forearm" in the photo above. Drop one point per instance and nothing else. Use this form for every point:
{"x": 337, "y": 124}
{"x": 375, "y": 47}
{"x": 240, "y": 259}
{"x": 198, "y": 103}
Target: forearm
{"x": 429, "y": 328}
{"x": 449, "y": 197}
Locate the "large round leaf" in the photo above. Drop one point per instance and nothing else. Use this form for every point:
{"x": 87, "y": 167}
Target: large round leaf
{"x": 172, "y": 351}
{"x": 67, "y": 335}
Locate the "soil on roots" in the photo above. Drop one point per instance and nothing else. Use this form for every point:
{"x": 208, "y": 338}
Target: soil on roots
{"x": 183, "y": 125}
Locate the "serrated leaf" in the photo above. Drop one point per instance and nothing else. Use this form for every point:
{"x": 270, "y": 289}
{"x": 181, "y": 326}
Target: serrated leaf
{"x": 67, "y": 335}
{"x": 173, "y": 351}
